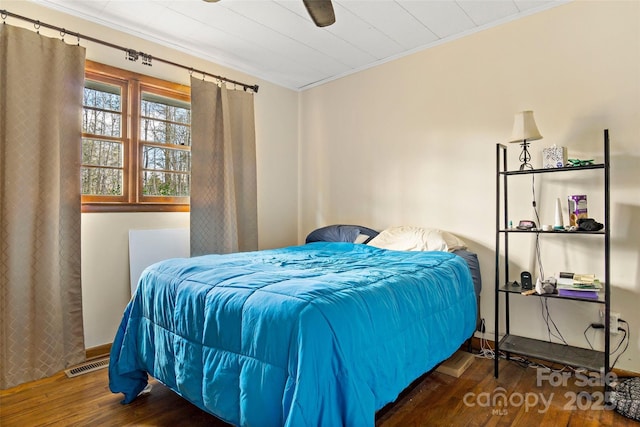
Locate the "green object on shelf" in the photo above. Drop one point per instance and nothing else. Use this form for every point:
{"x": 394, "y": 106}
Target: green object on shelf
{"x": 578, "y": 162}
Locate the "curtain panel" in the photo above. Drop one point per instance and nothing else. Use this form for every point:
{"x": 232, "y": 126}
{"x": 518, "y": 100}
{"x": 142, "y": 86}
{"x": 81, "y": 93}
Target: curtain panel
{"x": 42, "y": 82}
{"x": 223, "y": 197}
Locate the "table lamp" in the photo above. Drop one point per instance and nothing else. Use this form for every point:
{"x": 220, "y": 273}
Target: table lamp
{"x": 525, "y": 130}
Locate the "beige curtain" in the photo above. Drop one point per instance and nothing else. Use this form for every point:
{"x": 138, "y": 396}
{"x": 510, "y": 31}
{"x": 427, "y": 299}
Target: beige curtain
{"x": 41, "y": 89}
{"x": 224, "y": 215}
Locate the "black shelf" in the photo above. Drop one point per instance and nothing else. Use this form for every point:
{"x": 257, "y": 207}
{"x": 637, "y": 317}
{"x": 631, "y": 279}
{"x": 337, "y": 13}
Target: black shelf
{"x": 550, "y": 170}
{"x": 558, "y": 232}
{"x": 592, "y": 360}
{"x": 514, "y": 288}
{"x": 540, "y": 349}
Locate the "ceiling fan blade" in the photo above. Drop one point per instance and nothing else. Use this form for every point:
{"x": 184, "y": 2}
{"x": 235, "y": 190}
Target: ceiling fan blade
{"x": 321, "y": 11}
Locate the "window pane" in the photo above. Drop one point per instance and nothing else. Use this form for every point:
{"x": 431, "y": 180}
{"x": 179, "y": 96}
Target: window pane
{"x": 99, "y": 122}
{"x": 166, "y": 159}
{"x": 165, "y": 132}
{"x": 101, "y": 114}
{"x": 102, "y": 181}
{"x": 101, "y": 153}
{"x": 101, "y": 95}
{"x": 165, "y": 184}
{"x": 165, "y": 120}
{"x": 162, "y": 108}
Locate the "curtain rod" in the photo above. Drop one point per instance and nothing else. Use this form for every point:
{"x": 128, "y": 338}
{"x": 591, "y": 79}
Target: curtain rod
{"x": 132, "y": 54}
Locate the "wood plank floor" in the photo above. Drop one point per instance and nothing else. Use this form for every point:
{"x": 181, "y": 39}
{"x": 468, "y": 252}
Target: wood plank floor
{"x": 434, "y": 400}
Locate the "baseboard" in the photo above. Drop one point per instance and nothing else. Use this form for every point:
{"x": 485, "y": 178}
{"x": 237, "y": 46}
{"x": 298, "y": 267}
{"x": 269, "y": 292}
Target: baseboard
{"x": 97, "y": 352}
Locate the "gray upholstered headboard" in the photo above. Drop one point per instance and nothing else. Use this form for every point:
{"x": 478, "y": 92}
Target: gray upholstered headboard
{"x": 474, "y": 266}
{"x": 341, "y": 233}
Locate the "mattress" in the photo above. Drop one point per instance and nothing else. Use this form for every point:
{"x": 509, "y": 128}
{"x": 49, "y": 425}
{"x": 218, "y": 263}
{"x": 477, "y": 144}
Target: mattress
{"x": 319, "y": 334}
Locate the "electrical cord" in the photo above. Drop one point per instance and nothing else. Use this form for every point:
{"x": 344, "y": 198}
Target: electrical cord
{"x": 533, "y": 192}
{"x": 485, "y": 348}
{"x": 544, "y": 305}
{"x": 627, "y": 335}
{"x": 625, "y": 339}
{"x": 539, "y": 257}
{"x": 487, "y": 352}
{"x": 586, "y": 337}
{"x": 534, "y": 204}
{"x": 546, "y": 316}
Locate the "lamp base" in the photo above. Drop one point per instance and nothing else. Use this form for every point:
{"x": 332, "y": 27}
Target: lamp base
{"x": 525, "y": 156}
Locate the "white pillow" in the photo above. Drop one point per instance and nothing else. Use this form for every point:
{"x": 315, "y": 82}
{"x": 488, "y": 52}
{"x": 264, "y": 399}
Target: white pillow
{"x": 408, "y": 238}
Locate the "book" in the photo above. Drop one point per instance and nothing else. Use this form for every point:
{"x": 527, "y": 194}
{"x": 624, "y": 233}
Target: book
{"x": 581, "y": 288}
{"x": 584, "y": 279}
{"x": 586, "y": 282}
{"x": 577, "y": 293}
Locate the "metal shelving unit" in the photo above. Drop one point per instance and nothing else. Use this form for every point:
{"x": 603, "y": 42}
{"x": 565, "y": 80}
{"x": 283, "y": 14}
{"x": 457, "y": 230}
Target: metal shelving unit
{"x": 575, "y": 356}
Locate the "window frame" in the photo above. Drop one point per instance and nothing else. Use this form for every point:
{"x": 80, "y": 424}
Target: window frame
{"x": 124, "y": 131}
{"x": 133, "y": 85}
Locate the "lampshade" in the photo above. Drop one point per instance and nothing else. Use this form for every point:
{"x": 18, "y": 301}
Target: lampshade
{"x": 524, "y": 128}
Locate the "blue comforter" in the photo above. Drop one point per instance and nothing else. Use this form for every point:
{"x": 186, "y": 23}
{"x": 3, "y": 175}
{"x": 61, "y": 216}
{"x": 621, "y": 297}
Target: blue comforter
{"x": 323, "y": 334}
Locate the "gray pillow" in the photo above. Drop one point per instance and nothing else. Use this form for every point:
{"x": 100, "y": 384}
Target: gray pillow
{"x": 340, "y": 233}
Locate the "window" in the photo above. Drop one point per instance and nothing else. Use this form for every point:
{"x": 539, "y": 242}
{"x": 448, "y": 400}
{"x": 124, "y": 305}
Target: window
{"x": 103, "y": 141}
{"x": 136, "y": 142}
{"x": 165, "y": 138}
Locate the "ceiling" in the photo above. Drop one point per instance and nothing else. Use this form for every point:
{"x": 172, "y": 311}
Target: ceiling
{"x": 275, "y": 40}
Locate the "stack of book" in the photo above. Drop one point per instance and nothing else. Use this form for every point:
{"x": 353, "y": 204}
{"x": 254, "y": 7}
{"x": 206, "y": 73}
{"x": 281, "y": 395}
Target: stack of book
{"x": 578, "y": 285}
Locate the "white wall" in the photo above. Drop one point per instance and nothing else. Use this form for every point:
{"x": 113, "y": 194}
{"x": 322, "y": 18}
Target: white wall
{"x": 105, "y": 267}
{"x": 105, "y": 256}
{"x": 414, "y": 141}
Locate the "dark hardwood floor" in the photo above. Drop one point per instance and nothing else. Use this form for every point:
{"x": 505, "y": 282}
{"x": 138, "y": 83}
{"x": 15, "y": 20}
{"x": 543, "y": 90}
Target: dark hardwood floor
{"x": 433, "y": 400}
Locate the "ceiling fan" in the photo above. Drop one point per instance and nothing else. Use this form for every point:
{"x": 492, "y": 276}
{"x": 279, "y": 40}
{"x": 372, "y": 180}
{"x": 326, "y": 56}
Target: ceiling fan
{"x": 321, "y": 11}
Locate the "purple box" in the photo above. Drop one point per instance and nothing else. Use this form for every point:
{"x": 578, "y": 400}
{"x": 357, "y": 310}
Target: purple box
{"x": 577, "y": 208}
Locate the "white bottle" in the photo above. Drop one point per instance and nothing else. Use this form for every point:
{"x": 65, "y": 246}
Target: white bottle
{"x": 559, "y": 222}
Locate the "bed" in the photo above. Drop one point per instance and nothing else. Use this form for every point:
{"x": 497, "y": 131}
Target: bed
{"x": 324, "y": 333}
